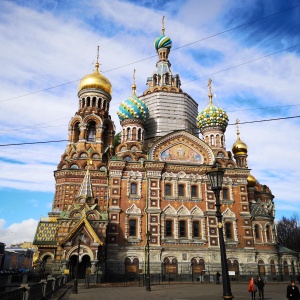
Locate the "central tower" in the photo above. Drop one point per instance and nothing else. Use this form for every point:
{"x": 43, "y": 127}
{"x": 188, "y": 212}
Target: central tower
{"x": 169, "y": 108}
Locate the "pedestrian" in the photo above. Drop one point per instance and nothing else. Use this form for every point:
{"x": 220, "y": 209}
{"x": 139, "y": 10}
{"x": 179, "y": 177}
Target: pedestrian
{"x": 260, "y": 286}
{"x": 252, "y": 288}
{"x": 218, "y": 277}
{"x": 292, "y": 291}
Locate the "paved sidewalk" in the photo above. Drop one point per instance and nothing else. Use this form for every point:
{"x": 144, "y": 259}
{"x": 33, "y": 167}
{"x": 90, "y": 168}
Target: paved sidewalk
{"x": 202, "y": 291}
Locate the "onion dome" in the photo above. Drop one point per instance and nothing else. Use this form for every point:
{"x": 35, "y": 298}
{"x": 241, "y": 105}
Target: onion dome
{"x": 163, "y": 41}
{"x": 96, "y": 81}
{"x": 133, "y": 108}
{"x": 212, "y": 116}
{"x": 239, "y": 147}
{"x": 251, "y": 181}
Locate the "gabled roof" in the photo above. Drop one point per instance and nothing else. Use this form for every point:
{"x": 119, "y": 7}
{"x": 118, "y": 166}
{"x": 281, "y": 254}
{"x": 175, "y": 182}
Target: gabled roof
{"x": 81, "y": 224}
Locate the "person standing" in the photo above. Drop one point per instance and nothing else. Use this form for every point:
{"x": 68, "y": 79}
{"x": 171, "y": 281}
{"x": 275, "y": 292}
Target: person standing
{"x": 292, "y": 291}
{"x": 251, "y": 288}
{"x": 218, "y": 275}
{"x": 260, "y": 286}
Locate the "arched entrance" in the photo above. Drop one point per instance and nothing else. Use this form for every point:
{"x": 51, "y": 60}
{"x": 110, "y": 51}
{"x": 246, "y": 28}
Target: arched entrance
{"x": 82, "y": 266}
{"x": 170, "y": 266}
{"x": 198, "y": 267}
{"x": 47, "y": 264}
{"x": 131, "y": 266}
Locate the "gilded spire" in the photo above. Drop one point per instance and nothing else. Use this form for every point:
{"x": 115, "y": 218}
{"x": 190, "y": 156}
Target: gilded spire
{"x": 237, "y": 127}
{"x": 163, "y": 26}
{"x": 134, "y": 85}
{"x": 209, "y": 85}
{"x": 97, "y": 62}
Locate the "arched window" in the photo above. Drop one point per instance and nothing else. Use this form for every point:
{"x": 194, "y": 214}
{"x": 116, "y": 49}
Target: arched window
{"x": 133, "y": 188}
{"x": 212, "y": 140}
{"x": 91, "y": 132}
{"x": 256, "y": 231}
{"x": 88, "y": 101}
{"x": 94, "y": 102}
{"x": 76, "y": 133}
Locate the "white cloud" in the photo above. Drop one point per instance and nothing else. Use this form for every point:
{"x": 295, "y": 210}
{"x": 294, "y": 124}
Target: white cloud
{"x": 18, "y": 232}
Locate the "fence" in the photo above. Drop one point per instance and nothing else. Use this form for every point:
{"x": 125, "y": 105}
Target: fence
{"x": 35, "y": 291}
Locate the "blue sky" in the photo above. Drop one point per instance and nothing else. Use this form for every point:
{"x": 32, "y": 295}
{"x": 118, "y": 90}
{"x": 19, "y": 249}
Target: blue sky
{"x": 47, "y": 44}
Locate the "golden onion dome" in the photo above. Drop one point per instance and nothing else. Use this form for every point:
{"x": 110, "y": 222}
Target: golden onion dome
{"x": 251, "y": 181}
{"x": 96, "y": 81}
{"x": 239, "y": 147}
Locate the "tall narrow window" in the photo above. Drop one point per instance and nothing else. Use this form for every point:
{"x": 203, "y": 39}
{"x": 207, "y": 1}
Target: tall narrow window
{"x": 182, "y": 231}
{"x": 133, "y": 188}
{"x": 196, "y": 229}
{"x": 76, "y": 132}
{"x": 132, "y": 227}
{"x": 256, "y": 231}
{"x": 228, "y": 230}
{"x": 169, "y": 228}
{"x": 91, "y": 133}
{"x": 128, "y": 134}
{"x": 139, "y": 138}
{"x": 181, "y": 190}
{"x": 268, "y": 233}
{"x": 194, "y": 191}
{"x": 168, "y": 189}
{"x": 225, "y": 193}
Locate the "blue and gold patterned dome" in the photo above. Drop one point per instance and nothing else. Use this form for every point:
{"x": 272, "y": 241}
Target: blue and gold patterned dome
{"x": 212, "y": 116}
{"x": 133, "y": 108}
{"x": 162, "y": 42}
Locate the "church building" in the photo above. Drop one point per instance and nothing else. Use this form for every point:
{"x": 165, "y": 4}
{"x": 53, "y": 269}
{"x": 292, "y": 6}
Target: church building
{"x": 111, "y": 189}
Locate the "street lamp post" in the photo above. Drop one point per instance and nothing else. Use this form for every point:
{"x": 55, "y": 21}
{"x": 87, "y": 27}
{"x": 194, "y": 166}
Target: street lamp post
{"x": 215, "y": 175}
{"x": 75, "y": 287}
{"x": 148, "y": 237}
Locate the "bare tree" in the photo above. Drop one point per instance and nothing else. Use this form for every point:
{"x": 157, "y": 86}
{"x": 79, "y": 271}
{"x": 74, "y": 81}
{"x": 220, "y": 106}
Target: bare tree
{"x": 288, "y": 232}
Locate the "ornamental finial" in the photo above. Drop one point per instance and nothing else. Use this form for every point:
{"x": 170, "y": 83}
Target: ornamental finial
{"x": 163, "y": 26}
{"x": 237, "y": 127}
{"x": 97, "y": 61}
{"x": 209, "y": 90}
{"x": 134, "y": 85}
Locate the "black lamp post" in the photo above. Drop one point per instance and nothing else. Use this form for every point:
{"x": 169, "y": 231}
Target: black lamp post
{"x": 75, "y": 287}
{"x": 148, "y": 237}
{"x": 215, "y": 175}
